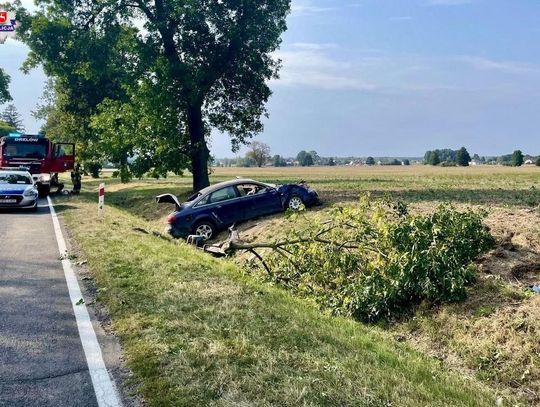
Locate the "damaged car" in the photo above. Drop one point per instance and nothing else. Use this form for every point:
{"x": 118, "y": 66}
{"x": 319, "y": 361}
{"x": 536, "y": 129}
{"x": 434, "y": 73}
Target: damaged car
{"x": 219, "y": 206}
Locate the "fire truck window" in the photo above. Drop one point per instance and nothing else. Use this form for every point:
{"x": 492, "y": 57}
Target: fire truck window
{"x": 60, "y": 151}
{"x": 25, "y": 150}
{"x": 63, "y": 150}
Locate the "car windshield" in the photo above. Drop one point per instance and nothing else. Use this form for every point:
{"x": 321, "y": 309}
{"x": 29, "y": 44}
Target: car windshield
{"x": 15, "y": 179}
{"x": 25, "y": 150}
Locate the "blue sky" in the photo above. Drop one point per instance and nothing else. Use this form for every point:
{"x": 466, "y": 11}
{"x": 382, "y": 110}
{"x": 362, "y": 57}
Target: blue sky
{"x": 390, "y": 78}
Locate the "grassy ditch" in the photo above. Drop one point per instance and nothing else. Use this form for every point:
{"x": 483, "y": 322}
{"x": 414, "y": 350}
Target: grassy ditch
{"x": 196, "y": 331}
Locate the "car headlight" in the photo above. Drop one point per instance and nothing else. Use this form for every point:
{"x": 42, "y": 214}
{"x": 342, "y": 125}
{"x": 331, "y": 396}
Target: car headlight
{"x": 30, "y": 193}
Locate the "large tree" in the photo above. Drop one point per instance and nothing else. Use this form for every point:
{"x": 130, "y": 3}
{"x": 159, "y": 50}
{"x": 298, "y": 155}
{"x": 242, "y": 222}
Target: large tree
{"x": 11, "y": 116}
{"x": 434, "y": 158}
{"x": 517, "y": 159}
{"x": 462, "y": 157}
{"x": 87, "y": 65}
{"x": 259, "y": 152}
{"x": 216, "y": 57}
{"x": 4, "y": 87}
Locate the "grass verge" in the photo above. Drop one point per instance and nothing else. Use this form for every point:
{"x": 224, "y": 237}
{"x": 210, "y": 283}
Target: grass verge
{"x": 196, "y": 331}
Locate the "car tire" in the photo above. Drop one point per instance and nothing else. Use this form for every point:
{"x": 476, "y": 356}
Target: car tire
{"x": 205, "y": 228}
{"x": 294, "y": 203}
{"x": 43, "y": 191}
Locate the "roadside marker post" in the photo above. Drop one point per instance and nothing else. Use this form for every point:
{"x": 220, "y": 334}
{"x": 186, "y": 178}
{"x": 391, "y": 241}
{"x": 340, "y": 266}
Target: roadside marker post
{"x": 101, "y": 200}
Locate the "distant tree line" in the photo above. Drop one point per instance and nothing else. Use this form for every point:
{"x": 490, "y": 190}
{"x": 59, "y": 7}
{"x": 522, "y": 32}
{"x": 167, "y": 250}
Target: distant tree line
{"x": 259, "y": 155}
{"x": 461, "y": 157}
{"x": 447, "y": 156}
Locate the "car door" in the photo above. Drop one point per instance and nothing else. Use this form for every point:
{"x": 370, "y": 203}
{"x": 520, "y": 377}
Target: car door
{"x": 63, "y": 157}
{"x": 261, "y": 200}
{"x": 225, "y": 206}
{"x": 266, "y": 202}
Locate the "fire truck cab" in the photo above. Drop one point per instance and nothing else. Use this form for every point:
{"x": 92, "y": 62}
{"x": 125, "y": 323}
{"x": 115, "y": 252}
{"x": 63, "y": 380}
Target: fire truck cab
{"x": 43, "y": 158}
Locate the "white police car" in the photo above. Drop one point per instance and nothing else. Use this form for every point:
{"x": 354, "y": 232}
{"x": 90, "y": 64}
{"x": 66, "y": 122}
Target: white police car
{"x": 17, "y": 189}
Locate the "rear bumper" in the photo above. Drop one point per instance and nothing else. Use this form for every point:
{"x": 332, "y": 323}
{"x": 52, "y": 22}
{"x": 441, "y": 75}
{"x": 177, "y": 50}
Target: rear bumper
{"x": 176, "y": 233}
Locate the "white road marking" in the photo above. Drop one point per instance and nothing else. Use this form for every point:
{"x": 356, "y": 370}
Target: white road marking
{"x": 105, "y": 390}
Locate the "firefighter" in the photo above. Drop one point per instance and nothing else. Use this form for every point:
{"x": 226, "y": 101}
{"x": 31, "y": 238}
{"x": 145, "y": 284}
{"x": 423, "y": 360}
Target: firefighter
{"x": 76, "y": 179}
{"x": 56, "y": 184}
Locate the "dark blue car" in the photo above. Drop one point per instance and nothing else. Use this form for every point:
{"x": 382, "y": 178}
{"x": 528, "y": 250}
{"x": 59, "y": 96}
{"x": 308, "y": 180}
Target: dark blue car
{"x": 219, "y": 206}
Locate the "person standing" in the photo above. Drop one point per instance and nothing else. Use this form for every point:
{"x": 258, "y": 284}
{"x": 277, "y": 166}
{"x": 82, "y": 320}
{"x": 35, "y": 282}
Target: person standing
{"x": 76, "y": 179}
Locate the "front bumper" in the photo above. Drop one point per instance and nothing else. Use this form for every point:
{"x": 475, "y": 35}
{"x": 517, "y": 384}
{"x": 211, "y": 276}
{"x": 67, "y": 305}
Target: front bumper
{"x": 17, "y": 201}
{"x": 313, "y": 199}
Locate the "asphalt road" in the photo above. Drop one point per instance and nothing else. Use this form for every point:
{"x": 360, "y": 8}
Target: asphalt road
{"x": 41, "y": 357}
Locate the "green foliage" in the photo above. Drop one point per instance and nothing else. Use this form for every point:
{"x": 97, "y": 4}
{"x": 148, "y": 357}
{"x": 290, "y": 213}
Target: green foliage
{"x": 432, "y": 158}
{"x": 93, "y": 168}
{"x": 4, "y": 87}
{"x": 459, "y": 157}
{"x": 370, "y": 161}
{"x": 305, "y": 159}
{"x": 448, "y": 164}
{"x": 11, "y": 117}
{"x": 5, "y": 129}
{"x": 517, "y": 159}
{"x": 462, "y": 157}
{"x": 279, "y": 161}
{"x": 301, "y": 156}
{"x": 259, "y": 153}
{"x": 308, "y": 160}
{"x": 376, "y": 259}
{"x": 406, "y": 162}
{"x": 331, "y": 162}
{"x": 538, "y": 162}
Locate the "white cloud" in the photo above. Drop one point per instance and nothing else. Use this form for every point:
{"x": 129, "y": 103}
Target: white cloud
{"x": 313, "y": 46}
{"x": 307, "y": 7}
{"x": 485, "y": 64}
{"x": 308, "y": 65}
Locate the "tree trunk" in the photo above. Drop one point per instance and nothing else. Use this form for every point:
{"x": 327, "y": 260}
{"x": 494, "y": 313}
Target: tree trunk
{"x": 199, "y": 149}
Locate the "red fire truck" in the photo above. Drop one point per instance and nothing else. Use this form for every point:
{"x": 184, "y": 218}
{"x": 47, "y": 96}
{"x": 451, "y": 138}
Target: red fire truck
{"x": 43, "y": 158}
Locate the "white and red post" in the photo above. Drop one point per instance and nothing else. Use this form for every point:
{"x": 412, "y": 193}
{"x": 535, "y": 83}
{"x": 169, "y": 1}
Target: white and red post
{"x": 101, "y": 200}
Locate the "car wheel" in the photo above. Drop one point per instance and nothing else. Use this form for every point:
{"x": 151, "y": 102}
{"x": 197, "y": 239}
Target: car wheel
{"x": 295, "y": 203}
{"x": 205, "y": 229}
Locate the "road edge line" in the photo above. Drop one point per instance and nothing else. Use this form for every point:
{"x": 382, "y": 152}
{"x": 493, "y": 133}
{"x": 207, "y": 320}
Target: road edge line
{"x": 104, "y": 387}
